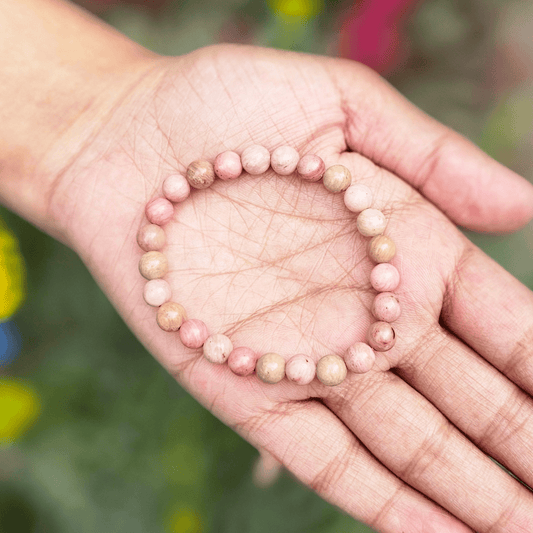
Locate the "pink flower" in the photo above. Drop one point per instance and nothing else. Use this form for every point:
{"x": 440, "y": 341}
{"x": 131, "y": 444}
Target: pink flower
{"x": 372, "y": 33}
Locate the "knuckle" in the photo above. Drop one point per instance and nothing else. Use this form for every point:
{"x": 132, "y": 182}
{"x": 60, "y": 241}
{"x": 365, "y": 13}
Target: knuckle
{"x": 427, "y": 454}
{"x": 512, "y": 417}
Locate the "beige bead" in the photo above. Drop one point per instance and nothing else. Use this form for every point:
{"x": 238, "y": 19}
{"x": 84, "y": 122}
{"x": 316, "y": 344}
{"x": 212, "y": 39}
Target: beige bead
{"x": 337, "y": 178}
{"x": 217, "y": 348}
{"x": 170, "y": 316}
{"x": 331, "y": 370}
{"x": 153, "y": 265}
{"x": 371, "y": 222}
{"x": 151, "y": 237}
{"x": 270, "y": 368}
{"x": 381, "y": 249}
{"x": 200, "y": 174}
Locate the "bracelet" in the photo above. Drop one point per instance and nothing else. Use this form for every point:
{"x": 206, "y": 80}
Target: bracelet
{"x": 331, "y": 369}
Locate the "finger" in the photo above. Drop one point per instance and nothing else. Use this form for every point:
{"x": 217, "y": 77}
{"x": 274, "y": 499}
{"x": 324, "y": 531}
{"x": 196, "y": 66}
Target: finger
{"x": 311, "y": 442}
{"x": 493, "y": 313}
{"x": 267, "y": 470}
{"x": 471, "y": 188}
{"x": 321, "y": 452}
{"x": 414, "y": 440}
{"x": 476, "y": 398}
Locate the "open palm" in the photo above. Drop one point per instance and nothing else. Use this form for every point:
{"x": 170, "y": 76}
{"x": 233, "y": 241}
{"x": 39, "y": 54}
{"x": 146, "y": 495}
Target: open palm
{"x": 277, "y": 264}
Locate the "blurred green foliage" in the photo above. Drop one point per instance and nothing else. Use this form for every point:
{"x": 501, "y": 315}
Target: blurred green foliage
{"x": 120, "y": 447}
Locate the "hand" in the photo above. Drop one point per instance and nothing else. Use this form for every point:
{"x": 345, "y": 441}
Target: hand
{"x": 277, "y": 265}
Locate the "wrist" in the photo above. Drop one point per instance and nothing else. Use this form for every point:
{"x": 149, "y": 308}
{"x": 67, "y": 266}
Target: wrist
{"x": 62, "y": 81}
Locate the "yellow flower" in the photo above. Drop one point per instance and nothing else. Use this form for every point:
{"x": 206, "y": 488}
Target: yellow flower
{"x": 12, "y": 276}
{"x": 296, "y": 9}
{"x": 19, "y": 408}
{"x": 184, "y": 520}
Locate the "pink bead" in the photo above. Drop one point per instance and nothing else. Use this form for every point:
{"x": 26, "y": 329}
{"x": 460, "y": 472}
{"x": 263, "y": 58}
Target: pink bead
{"x": 159, "y": 211}
{"x": 228, "y": 165}
{"x": 386, "y": 307}
{"x": 176, "y": 188}
{"x": 217, "y": 348}
{"x": 358, "y": 197}
{"x": 151, "y": 238}
{"x": 360, "y": 358}
{"x": 381, "y": 336}
{"x": 384, "y": 277}
{"x": 242, "y": 361}
{"x": 255, "y": 159}
{"x": 300, "y": 369}
{"x": 157, "y": 292}
{"x": 284, "y": 160}
{"x": 311, "y": 167}
{"x": 193, "y": 333}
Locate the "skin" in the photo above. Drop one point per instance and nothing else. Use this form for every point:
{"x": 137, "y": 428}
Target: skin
{"x": 276, "y": 264}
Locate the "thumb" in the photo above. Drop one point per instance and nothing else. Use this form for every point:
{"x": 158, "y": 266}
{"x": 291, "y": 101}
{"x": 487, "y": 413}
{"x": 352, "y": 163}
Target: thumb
{"x": 465, "y": 183}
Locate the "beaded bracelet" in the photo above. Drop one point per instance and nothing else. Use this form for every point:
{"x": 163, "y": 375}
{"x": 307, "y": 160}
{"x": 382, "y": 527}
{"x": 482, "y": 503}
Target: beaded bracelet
{"x": 331, "y": 369}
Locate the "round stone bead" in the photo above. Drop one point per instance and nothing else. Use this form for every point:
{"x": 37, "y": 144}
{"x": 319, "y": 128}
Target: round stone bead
{"x": 170, "y": 316}
{"x": 384, "y": 277}
{"x": 300, "y": 369}
{"x": 176, "y": 188}
{"x": 337, "y": 178}
{"x": 381, "y": 249}
{"x": 371, "y": 222}
{"x": 381, "y": 336}
{"x": 157, "y": 292}
{"x": 151, "y": 237}
{"x": 242, "y": 361}
{"x": 357, "y": 197}
{"x": 200, "y": 174}
{"x": 270, "y": 368}
{"x": 193, "y": 333}
{"x": 228, "y": 165}
{"x": 386, "y": 307}
{"x": 153, "y": 265}
{"x": 255, "y": 159}
{"x": 159, "y": 211}
{"x": 284, "y": 160}
{"x": 217, "y": 348}
{"x": 359, "y": 358}
{"x": 311, "y": 167}
{"x": 331, "y": 370}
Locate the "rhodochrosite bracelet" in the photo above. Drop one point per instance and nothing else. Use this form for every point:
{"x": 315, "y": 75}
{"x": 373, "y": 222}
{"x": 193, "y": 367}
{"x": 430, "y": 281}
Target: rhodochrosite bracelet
{"x": 217, "y": 348}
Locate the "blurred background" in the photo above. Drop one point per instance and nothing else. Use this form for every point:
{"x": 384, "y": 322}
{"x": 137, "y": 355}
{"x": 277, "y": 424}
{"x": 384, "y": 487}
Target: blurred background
{"x": 94, "y": 436}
